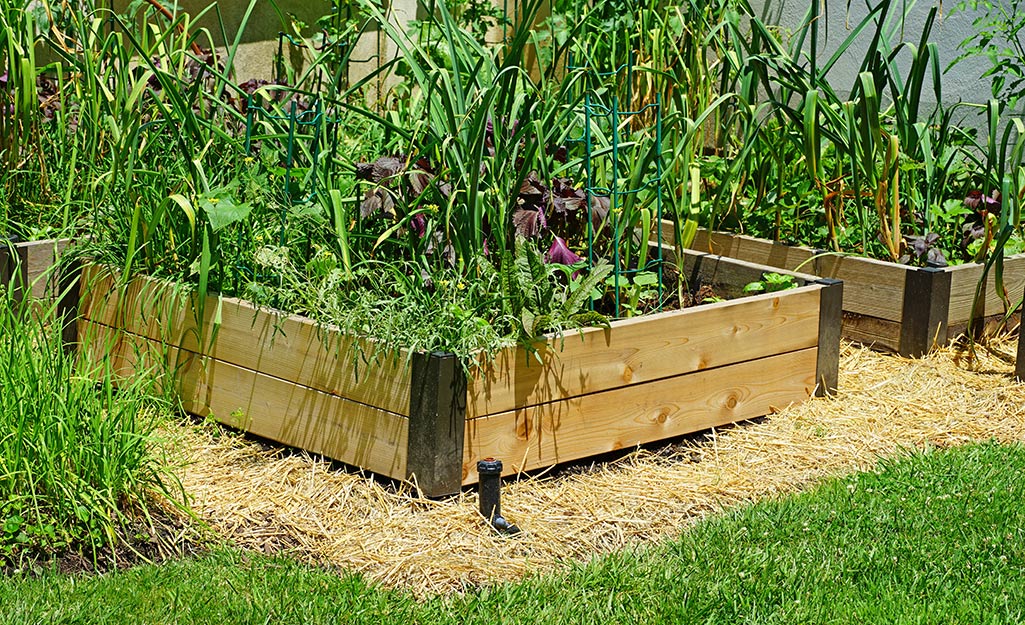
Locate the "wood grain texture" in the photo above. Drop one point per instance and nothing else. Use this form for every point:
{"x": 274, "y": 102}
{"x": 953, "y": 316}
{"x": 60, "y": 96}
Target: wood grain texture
{"x": 7, "y": 264}
{"x": 871, "y": 287}
{"x": 871, "y": 332}
{"x": 291, "y": 414}
{"x": 989, "y": 326}
{"x": 669, "y": 374}
{"x": 33, "y": 263}
{"x": 755, "y": 250}
{"x": 728, "y": 273}
{"x": 965, "y": 278}
{"x": 41, "y": 258}
{"x": 640, "y": 350}
{"x": 560, "y": 431}
{"x": 291, "y": 348}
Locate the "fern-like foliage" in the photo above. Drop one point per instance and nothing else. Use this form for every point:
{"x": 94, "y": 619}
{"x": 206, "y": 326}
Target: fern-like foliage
{"x": 545, "y": 297}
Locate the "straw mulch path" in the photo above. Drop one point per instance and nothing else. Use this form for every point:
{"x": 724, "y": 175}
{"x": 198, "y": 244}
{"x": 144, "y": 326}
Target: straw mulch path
{"x": 273, "y": 501}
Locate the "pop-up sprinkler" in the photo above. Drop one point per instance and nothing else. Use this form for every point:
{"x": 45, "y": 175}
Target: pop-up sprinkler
{"x": 490, "y": 472}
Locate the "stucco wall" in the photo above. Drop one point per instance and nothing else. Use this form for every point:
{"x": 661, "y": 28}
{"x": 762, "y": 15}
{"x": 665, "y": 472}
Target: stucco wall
{"x": 255, "y": 58}
{"x": 961, "y": 83}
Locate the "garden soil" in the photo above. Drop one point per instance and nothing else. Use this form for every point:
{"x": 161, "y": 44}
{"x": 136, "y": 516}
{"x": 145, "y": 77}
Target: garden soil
{"x": 270, "y": 500}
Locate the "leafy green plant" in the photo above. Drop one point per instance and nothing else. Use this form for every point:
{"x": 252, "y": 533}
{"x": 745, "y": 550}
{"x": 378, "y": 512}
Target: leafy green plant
{"x": 772, "y": 282}
{"x": 472, "y": 313}
{"x": 873, "y": 172}
{"x": 486, "y": 125}
{"x": 998, "y": 34}
{"x": 75, "y": 464}
{"x": 640, "y": 292}
{"x": 533, "y": 294}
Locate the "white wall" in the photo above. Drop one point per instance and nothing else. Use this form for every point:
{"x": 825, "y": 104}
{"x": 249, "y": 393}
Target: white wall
{"x": 255, "y": 57}
{"x": 961, "y": 83}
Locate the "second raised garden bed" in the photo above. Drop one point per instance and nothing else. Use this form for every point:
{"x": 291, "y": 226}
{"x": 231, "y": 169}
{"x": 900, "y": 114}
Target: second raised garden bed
{"x": 419, "y": 416}
{"x": 909, "y": 310}
{"x": 29, "y": 268}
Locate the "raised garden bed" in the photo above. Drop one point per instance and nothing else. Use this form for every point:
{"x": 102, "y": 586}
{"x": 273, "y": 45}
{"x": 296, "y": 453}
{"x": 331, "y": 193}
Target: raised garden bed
{"x": 909, "y": 310}
{"x": 418, "y": 416}
{"x": 33, "y": 272}
{"x": 29, "y": 266}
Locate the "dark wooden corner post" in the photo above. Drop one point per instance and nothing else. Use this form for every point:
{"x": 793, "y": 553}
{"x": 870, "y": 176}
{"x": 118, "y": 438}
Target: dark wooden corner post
{"x": 827, "y": 367}
{"x": 6, "y": 264}
{"x": 14, "y": 270}
{"x": 69, "y": 291}
{"x": 437, "y": 423}
{"x": 926, "y": 307}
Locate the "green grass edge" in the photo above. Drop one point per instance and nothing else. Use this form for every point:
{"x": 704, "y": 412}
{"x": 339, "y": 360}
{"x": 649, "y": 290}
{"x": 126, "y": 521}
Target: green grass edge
{"x": 935, "y": 536}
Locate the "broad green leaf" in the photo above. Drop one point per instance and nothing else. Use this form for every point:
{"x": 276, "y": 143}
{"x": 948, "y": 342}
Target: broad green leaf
{"x": 221, "y": 210}
{"x": 646, "y": 278}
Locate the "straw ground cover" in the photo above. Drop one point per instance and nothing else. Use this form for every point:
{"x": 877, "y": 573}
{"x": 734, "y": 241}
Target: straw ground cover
{"x": 270, "y": 501}
{"x": 931, "y": 537}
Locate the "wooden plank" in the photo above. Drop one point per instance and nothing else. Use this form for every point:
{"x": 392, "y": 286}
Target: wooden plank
{"x": 33, "y": 263}
{"x": 755, "y": 250}
{"x": 871, "y": 287}
{"x": 752, "y": 253}
{"x": 830, "y": 327}
{"x": 41, "y": 258}
{"x": 1019, "y": 362}
{"x": 965, "y": 278}
{"x": 291, "y": 348}
{"x": 437, "y": 423}
{"x": 729, "y": 274}
{"x": 871, "y": 331}
{"x": 7, "y": 264}
{"x": 290, "y": 414}
{"x": 560, "y": 431}
{"x": 987, "y": 326}
{"x": 640, "y": 350}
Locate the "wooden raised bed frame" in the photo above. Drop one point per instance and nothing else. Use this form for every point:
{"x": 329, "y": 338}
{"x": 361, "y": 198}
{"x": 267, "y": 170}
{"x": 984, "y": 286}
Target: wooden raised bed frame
{"x": 32, "y": 271}
{"x": 29, "y": 267}
{"x": 909, "y": 310}
{"x": 417, "y": 416}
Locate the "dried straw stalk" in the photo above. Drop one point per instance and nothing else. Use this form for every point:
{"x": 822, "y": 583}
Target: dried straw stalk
{"x": 273, "y": 501}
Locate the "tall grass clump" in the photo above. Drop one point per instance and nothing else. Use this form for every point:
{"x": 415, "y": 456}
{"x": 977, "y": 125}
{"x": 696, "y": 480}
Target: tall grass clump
{"x": 75, "y": 462}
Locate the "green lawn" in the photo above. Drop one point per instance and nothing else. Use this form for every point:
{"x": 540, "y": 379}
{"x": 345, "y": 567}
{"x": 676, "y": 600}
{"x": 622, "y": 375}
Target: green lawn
{"x": 937, "y": 537}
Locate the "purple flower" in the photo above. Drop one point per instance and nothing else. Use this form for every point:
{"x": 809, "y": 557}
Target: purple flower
{"x": 560, "y": 253}
{"x": 419, "y": 224}
{"x": 977, "y": 201}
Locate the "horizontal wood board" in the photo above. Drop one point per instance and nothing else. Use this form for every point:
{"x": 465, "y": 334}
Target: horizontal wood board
{"x": 290, "y": 348}
{"x": 965, "y": 278}
{"x": 267, "y": 406}
{"x": 601, "y": 382}
{"x": 871, "y": 287}
{"x": 871, "y": 331}
{"x": 640, "y": 350}
{"x": 560, "y": 431}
